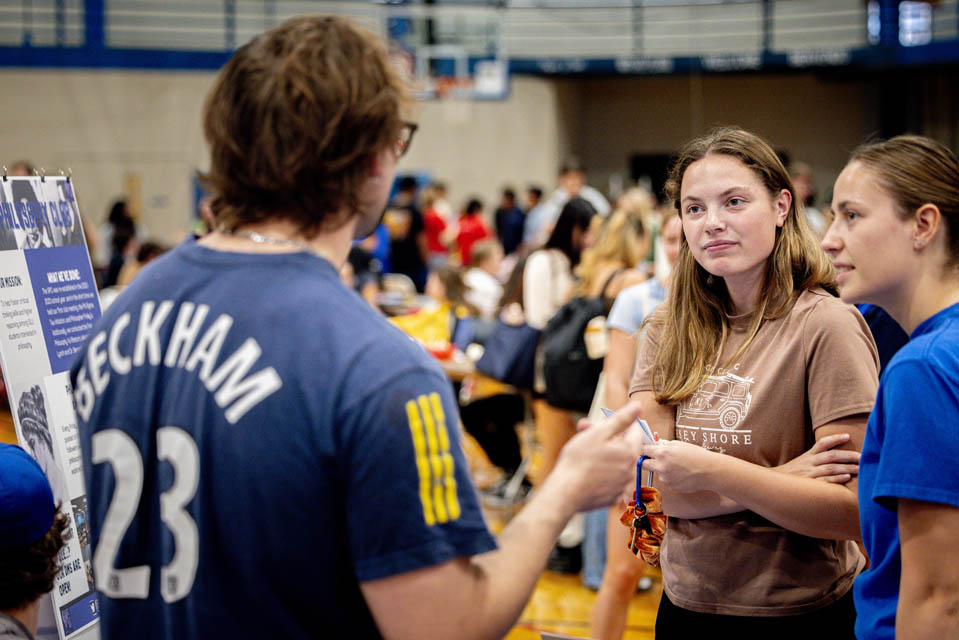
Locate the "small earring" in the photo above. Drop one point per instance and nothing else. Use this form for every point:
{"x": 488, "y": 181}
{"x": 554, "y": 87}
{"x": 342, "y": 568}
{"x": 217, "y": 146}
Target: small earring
{"x": 918, "y": 245}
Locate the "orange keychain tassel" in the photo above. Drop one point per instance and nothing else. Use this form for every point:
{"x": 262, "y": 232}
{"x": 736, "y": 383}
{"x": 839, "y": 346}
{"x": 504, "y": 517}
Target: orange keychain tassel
{"x": 646, "y": 521}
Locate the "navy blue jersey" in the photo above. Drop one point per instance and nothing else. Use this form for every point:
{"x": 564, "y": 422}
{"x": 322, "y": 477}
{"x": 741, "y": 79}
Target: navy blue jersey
{"x": 258, "y": 441}
{"x": 887, "y": 333}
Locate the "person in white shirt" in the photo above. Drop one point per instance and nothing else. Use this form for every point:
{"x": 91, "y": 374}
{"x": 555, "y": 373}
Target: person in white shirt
{"x": 483, "y": 289}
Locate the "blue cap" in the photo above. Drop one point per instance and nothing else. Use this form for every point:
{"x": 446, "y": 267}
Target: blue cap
{"x": 26, "y": 501}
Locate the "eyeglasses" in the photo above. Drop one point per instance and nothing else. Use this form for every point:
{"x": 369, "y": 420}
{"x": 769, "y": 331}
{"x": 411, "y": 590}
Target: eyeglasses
{"x": 406, "y": 138}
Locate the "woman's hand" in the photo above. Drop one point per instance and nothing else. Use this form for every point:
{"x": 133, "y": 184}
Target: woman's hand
{"x": 684, "y": 467}
{"x": 824, "y": 461}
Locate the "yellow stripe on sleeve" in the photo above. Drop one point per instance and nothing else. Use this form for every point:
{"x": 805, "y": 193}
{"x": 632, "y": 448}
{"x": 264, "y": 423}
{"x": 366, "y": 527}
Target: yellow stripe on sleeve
{"x": 422, "y": 465}
{"x": 436, "y": 463}
{"x": 449, "y": 478}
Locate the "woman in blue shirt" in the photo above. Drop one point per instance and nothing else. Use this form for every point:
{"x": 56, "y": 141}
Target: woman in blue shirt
{"x": 895, "y": 243}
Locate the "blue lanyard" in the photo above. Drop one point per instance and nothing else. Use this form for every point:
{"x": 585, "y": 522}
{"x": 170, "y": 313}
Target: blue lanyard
{"x": 639, "y": 479}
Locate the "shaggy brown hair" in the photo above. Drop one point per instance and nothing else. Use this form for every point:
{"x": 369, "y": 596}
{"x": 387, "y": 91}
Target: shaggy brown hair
{"x": 294, "y": 120}
{"x": 26, "y": 573}
{"x": 695, "y": 326}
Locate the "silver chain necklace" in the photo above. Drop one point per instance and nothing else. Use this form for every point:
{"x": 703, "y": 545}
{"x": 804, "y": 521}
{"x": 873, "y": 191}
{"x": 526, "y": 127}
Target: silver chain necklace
{"x": 259, "y": 238}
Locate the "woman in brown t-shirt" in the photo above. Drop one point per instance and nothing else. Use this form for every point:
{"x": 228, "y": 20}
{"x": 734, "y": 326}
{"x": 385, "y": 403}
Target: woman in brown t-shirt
{"x": 750, "y": 362}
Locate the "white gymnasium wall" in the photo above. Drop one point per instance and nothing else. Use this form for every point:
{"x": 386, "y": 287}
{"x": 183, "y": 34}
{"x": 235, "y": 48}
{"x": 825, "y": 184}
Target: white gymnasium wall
{"x": 106, "y": 126}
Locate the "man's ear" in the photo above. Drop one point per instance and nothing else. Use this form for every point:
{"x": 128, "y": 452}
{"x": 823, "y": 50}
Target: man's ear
{"x": 375, "y": 164}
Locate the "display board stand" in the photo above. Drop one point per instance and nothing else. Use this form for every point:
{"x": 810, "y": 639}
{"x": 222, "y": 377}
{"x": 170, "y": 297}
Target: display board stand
{"x": 48, "y": 304}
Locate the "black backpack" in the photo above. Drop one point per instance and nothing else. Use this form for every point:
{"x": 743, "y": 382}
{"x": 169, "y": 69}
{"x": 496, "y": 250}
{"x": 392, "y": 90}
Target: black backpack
{"x": 571, "y": 376}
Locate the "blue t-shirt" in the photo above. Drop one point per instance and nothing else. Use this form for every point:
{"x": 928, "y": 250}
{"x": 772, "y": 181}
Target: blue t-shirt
{"x": 902, "y": 457}
{"x": 634, "y": 304}
{"x": 258, "y": 441}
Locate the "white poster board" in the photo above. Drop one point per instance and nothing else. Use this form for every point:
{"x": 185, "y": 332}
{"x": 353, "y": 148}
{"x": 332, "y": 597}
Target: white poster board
{"x": 48, "y": 304}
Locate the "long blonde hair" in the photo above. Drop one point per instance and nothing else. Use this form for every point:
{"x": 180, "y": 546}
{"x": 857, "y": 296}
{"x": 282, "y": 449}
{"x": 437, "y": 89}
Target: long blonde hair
{"x": 695, "y": 329}
{"x": 621, "y": 242}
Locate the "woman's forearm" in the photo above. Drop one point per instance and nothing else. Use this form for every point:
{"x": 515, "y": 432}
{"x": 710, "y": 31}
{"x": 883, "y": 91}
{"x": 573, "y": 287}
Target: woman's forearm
{"x": 616, "y": 395}
{"x": 701, "y": 504}
{"x": 804, "y": 505}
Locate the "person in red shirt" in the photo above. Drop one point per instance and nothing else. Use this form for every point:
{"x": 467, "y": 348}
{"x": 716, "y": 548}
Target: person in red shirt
{"x": 472, "y": 229}
{"x": 435, "y": 226}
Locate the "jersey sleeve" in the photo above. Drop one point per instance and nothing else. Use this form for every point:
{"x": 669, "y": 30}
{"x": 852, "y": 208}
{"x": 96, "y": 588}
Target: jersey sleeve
{"x": 841, "y": 363}
{"x": 410, "y": 502}
{"x": 916, "y": 418}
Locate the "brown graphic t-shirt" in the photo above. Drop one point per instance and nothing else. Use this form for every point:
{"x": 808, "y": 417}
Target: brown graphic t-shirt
{"x": 815, "y": 364}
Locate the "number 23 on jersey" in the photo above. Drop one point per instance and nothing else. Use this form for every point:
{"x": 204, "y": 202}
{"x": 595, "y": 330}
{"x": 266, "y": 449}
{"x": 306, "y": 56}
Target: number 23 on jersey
{"x": 175, "y": 446}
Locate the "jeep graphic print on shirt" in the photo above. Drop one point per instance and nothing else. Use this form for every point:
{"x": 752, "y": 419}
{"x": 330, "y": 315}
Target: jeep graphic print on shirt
{"x": 713, "y": 416}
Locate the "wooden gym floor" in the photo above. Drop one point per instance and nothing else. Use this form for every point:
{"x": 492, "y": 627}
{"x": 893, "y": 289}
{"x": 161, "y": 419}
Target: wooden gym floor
{"x": 562, "y": 605}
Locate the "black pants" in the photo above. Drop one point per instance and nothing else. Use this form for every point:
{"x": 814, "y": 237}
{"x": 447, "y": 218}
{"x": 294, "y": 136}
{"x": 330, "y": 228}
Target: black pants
{"x": 833, "y": 622}
{"x": 492, "y": 421}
